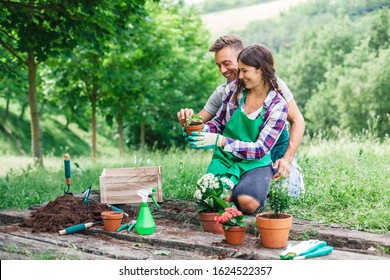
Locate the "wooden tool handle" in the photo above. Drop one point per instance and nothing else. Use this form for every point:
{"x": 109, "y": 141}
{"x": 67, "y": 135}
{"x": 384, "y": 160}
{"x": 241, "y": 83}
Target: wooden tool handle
{"x": 67, "y": 168}
{"x": 75, "y": 228}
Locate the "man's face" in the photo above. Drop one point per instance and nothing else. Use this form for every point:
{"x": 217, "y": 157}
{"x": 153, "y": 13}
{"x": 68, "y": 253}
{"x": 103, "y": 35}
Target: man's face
{"x": 226, "y": 60}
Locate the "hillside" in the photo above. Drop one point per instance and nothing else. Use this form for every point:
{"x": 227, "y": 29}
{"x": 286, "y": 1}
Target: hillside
{"x": 220, "y": 23}
{"x": 15, "y": 138}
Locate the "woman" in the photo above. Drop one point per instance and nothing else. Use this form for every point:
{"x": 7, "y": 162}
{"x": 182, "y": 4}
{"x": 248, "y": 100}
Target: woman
{"x": 245, "y": 129}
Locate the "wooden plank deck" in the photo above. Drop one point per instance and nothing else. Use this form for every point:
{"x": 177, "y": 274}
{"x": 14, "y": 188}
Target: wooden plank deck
{"x": 178, "y": 236}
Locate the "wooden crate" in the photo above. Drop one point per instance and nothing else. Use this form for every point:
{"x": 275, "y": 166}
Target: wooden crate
{"x": 120, "y": 185}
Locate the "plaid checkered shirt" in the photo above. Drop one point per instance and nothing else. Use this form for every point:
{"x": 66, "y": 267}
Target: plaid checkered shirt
{"x": 274, "y": 120}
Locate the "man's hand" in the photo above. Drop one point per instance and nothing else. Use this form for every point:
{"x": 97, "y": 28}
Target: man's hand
{"x": 184, "y": 114}
{"x": 284, "y": 168}
{"x": 206, "y": 140}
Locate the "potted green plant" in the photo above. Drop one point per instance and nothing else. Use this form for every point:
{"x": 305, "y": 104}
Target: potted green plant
{"x": 194, "y": 123}
{"x": 233, "y": 225}
{"x": 211, "y": 192}
{"x": 275, "y": 224}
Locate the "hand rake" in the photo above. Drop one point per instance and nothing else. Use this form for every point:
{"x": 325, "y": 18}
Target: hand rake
{"x": 86, "y": 199}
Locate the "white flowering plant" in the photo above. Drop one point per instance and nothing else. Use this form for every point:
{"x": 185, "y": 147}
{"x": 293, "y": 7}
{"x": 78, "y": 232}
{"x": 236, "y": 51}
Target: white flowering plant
{"x": 211, "y": 192}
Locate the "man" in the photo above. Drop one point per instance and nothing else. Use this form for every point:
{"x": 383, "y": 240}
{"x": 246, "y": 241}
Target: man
{"x": 226, "y": 49}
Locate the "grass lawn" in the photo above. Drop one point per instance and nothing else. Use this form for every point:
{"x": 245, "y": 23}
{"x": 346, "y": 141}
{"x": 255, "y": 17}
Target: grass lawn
{"x": 347, "y": 181}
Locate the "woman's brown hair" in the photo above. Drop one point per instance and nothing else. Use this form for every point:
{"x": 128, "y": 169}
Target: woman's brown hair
{"x": 260, "y": 57}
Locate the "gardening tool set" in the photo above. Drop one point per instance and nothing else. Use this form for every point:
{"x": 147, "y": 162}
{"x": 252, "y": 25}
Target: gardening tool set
{"x": 306, "y": 249}
{"x": 144, "y": 224}
{"x": 86, "y": 199}
{"x": 129, "y": 226}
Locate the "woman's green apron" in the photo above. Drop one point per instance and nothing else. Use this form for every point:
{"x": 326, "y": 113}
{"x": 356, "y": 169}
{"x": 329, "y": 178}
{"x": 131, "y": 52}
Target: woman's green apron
{"x": 238, "y": 127}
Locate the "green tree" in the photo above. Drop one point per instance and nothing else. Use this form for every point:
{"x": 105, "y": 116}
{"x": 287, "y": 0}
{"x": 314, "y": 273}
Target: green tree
{"x": 33, "y": 30}
{"x": 380, "y": 31}
{"x": 347, "y": 98}
{"x": 177, "y": 71}
{"x": 144, "y": 76}
{"x": 164, "y": 68}
{"x": 317, "y": 51}
{"x": 364, "y": 97}
{"x": 12, "y": 77}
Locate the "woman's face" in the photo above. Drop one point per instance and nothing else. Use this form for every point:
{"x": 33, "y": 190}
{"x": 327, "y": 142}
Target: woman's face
{"x": 251, "y": 76}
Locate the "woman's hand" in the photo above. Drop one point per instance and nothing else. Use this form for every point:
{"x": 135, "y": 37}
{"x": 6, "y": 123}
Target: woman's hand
{"x": 206, "y": 140}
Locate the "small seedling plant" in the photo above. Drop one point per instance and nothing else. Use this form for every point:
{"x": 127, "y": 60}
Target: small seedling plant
{"x": 194, "y": 119}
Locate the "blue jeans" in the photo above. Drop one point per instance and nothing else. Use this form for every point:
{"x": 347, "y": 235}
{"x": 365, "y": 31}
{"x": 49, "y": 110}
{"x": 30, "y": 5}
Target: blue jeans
{"x": 254, "y": 183}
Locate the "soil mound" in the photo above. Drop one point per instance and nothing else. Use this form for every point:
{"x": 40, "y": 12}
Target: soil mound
{"x": 62, "y": 212}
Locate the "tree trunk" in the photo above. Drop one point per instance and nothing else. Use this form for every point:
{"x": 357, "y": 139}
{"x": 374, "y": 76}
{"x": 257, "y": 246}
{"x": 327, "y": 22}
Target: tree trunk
{"x": 142, "y": 136}
{"x": 94, "y": 98}
{"x": 120, "y": 132}
{"x": 22, "y": 110}
{"x": 36, "y": 140}
{"x": 93, "y": 120}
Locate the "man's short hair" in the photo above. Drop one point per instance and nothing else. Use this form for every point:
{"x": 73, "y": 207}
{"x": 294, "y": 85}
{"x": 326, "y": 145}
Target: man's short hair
{"x": 232, "y": 41}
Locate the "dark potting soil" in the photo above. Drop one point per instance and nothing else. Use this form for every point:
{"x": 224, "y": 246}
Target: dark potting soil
{"x": 63, "y": 212}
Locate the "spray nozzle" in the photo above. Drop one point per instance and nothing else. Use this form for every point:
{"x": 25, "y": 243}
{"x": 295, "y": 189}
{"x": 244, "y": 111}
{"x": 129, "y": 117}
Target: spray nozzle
{"x": 148, "y": 193}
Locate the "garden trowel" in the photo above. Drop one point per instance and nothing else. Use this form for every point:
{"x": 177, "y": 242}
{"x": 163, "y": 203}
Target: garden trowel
{"x": 67, "y": 173}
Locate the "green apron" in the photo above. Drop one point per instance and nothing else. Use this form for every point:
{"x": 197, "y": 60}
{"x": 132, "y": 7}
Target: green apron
{"x": 278, "y": 151}
{"x": 238, "y": 127}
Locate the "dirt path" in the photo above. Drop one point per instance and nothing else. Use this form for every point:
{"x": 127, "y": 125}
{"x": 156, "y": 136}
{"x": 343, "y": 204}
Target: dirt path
{"x": 220, "y": 23}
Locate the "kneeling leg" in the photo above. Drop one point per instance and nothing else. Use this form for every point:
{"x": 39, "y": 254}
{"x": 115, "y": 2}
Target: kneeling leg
{"x": 250, "y": 193}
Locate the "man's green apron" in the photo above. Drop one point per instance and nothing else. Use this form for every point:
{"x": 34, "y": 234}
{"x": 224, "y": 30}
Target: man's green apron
{"x": 278, "y": 151}
{"x": 238, "y": 127}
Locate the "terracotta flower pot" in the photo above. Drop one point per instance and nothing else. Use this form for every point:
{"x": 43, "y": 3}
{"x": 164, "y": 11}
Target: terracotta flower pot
{"x": 208, "y": 223}
{"x": 111, "y": 220}
{"x": 191, "y": 128}
{"x": 273, "y": 231}
{"x": 235, "y": 235}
